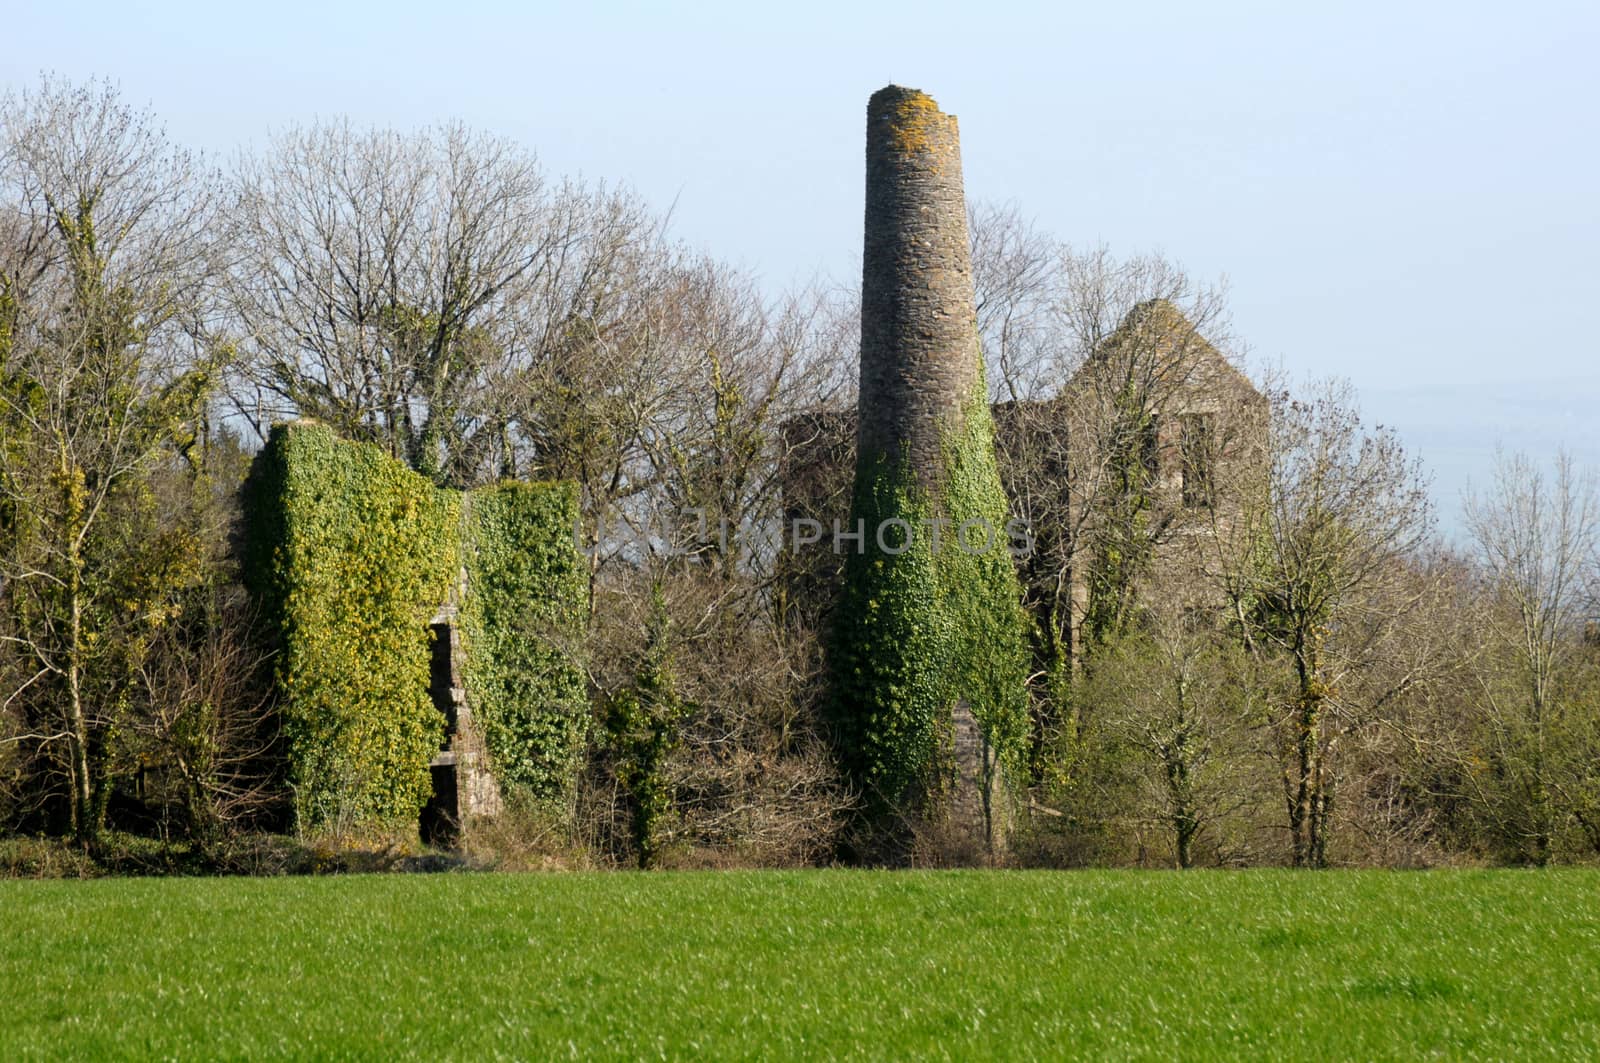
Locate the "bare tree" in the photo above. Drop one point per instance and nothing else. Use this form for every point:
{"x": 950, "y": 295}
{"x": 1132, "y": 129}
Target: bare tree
{"x": 1321, "y": 593}
{"x": 206, "y": 733}
{"x": 709, "y": 725}
{"x": 682, "y": 471}
{"x": 751, "y": 365}
{"x": 1017, "y": 285}
{"x": 399, "y": 286}
{"x": 1171, "y": 694}
{"x": 1536, "y": 538}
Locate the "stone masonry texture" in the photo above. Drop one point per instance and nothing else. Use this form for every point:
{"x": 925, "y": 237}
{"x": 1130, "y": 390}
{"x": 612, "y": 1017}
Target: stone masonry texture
{"x": 919, "y": 343}
{"x": 919, "y": 356}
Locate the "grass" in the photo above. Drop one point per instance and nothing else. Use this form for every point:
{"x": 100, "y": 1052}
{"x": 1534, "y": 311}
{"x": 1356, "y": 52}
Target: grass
{"x": 826, "y": 963}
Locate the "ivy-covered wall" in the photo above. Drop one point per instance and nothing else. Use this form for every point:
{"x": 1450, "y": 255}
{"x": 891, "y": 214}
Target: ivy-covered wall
{"x": 523, "y": 622}
{"x": 350, "y": 555}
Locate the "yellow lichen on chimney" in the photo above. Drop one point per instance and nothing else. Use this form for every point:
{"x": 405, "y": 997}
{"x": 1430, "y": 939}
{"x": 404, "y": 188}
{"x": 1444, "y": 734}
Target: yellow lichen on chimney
{"x": 913, "y": 119}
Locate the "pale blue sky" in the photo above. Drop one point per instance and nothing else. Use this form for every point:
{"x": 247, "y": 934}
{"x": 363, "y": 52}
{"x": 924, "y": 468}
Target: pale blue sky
{"x": 1407, "y": 195}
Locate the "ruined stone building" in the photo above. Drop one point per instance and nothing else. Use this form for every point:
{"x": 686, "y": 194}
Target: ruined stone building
{"x": 1156, "y": 392}
{"x": 1142, "y": 456}
{"x": 423, "y": 638}
{"x": 1150, "y": 451}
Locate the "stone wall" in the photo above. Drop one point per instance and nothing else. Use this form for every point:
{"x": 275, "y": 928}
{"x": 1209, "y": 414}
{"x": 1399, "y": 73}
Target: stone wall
{"x": 464, "y": 789}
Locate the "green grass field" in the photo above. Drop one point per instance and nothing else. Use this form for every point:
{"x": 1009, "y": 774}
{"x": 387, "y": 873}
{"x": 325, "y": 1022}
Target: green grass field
{"x": 958, "y": 964}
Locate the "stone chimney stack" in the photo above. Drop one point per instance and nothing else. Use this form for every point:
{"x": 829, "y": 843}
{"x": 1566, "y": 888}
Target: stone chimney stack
{"x": 928, "y": 650}
{"x": 919, "y": 343}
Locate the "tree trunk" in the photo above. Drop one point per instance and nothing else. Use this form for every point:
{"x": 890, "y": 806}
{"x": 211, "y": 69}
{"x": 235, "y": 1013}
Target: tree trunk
{"x": 1308, "y": 799}
{"x": 83, "y": 818}
{"x": 1184, "y": 819}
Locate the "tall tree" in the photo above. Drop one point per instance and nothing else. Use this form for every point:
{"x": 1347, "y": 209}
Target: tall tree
{"x": 401, "y": 286}
{"x": 1321, "y": 593}
{"x": 1533, "y": 768}
{"x": 102, "y": 286}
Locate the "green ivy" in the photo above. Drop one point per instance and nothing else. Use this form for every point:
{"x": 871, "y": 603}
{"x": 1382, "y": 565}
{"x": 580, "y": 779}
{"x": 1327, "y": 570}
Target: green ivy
{"x": 920, "y": 630}
{"x": 522, "y": 623}
{"x": 1120, "y": 549}
{"x": 642, "y": 728}
{"x": 989, "y": 664}
{"x": 891, "y": 641}
{"x": 351, "y": 555}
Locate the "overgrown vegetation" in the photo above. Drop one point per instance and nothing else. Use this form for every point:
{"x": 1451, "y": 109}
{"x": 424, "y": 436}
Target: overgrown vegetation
{"x": 643, "y": 723}
{"x": 927, "y": 620}
{"x": 523, "y": 618}
{"x": 1248, "y": 643}
{"x": 352, "y": 554}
